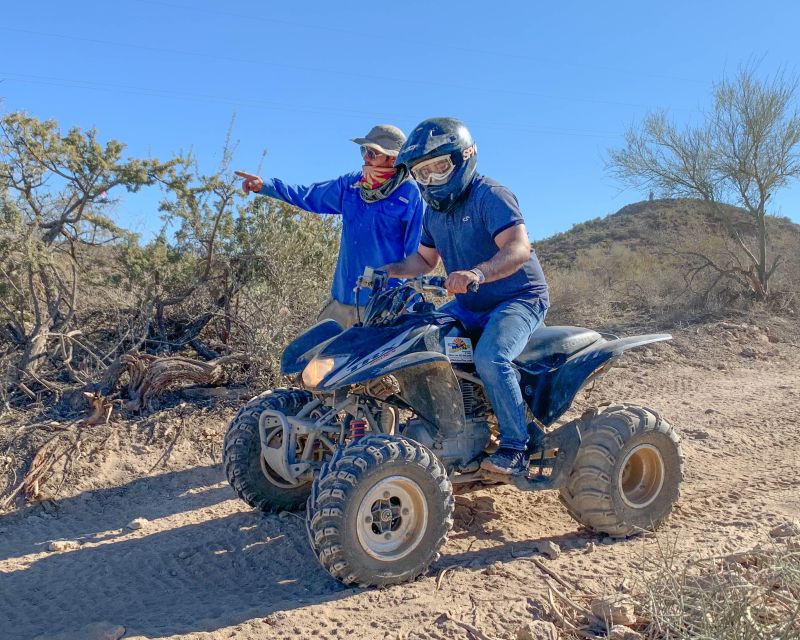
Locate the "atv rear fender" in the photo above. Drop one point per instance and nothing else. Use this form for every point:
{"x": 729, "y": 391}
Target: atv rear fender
{"x": 551, "y": 393}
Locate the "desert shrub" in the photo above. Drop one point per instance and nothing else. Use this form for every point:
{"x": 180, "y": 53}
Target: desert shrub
{"x": 604, "y": 282}
{"x": 750, "y": 595}
{"x": 295, "y": 254}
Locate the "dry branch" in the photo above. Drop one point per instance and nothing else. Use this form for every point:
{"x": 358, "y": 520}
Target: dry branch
{"x": 151, "y": 375}
{"x": 472, "y": 630}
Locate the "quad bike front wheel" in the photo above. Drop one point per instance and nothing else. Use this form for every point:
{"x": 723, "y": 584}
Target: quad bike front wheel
{"x": 379, "y": 511}
{"x": 245, "y": 466}
{"x": 627, "y": 474}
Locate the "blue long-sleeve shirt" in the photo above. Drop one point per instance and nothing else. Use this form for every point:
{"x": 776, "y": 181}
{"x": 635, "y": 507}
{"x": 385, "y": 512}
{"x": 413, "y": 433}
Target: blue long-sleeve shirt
{"x": 373, "y": 234}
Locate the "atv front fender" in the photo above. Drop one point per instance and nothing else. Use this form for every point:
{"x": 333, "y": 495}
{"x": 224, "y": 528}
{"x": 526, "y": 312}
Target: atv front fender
{"x": 305, "y": 346}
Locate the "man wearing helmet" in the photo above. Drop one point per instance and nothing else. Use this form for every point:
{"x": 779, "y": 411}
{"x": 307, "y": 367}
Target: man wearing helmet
{"x": 381, "y": 214}
{"x": 475, "y": 226}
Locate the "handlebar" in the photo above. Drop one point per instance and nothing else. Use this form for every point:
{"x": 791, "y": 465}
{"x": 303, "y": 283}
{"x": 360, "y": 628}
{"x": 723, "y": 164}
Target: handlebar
{"x": 387, "y": 303}
{"x": 376, "y": 280}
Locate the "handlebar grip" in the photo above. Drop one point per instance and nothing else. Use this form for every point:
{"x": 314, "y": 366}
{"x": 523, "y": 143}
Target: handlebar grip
{"x": 473, "y": 287}
{"x": 436, "y": 281}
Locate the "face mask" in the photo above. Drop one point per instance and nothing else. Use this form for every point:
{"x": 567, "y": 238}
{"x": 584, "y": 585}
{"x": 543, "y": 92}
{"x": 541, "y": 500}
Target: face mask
{"x": 374, "y": 177}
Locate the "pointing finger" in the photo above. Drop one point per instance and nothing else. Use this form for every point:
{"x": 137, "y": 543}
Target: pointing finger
{"x": 249, "y": 176}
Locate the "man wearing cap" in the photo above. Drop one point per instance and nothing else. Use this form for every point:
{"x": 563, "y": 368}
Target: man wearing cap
{"x": 381, "y": 213}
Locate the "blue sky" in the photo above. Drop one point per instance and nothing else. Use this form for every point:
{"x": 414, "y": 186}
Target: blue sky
{"x": 545, "y": 88}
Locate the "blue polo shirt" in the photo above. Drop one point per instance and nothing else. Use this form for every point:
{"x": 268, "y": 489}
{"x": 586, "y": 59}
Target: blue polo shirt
{"x": 465, "y": 237}
{"x": 373, "y": 234}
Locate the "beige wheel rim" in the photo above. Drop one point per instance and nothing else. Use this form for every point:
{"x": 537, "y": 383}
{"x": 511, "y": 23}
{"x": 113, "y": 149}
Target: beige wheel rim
{"x": 392, "y": 518}
{"x": 641, "y": 476}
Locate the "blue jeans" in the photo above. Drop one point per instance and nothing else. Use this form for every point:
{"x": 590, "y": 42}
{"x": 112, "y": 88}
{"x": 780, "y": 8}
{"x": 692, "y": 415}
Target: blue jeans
{"x": 506, "y": 330}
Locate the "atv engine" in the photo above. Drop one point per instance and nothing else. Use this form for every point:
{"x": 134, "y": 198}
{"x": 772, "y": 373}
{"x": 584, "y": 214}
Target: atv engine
{"x": 459, "y": 449}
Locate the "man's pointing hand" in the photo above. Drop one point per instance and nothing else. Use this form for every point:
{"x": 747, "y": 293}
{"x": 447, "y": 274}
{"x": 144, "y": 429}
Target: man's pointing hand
{"x": 251, "y": 182}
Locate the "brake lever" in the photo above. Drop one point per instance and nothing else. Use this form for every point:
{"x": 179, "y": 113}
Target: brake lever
{"x": 439, "y": 291}
{"x": 473, "y": 287}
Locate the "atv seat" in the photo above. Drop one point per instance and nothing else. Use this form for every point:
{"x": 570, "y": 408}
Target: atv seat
{"x": 551, "y": 346}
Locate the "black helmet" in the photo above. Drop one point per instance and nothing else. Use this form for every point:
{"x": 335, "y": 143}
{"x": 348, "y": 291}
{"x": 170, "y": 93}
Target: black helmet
{"x": 442, "y": 157}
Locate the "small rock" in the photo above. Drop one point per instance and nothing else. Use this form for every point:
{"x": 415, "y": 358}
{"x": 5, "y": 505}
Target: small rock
{"x": 747, "y": 352}
{"x": 138, "y": 523}
{"x": 626, "y": 586}
{"x": 538, "y": 630}
{"x": 787, "y": 529}
{"x": 621, "y": 632}
{"x": 763, "y": 337}
{"x": 549, "y": 549}
{"x": 62, "y": 545}
{"x": 617, "y": 609}
{"x": 590, "y": 547}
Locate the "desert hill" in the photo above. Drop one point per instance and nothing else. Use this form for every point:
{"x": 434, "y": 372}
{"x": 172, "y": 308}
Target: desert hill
{"x": 653, "y": 225}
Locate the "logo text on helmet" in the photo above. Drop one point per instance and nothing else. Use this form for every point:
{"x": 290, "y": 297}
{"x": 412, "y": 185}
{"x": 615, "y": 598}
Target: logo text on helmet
{"x": 469, "y": 152}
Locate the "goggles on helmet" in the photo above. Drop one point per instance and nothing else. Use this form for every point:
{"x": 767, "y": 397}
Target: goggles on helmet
{"x": 434, "y": 172}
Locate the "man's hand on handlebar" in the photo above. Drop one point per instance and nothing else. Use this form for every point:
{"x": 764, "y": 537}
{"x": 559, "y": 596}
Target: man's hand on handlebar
{"x": 461, "y": 282}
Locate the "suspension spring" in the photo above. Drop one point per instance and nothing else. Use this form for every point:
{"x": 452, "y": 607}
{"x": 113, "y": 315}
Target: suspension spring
{"x": 357, "y": 429}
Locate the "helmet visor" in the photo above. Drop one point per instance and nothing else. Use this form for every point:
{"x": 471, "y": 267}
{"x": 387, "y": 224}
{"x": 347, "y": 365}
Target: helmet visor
{"x": 434, "y": 172}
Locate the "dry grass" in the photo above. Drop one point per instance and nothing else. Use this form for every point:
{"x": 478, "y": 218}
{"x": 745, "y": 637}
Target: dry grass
{"x": 748, "y": 595}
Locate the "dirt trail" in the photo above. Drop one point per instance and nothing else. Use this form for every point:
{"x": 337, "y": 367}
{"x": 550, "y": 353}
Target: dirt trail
{"x": 205, "y": 566}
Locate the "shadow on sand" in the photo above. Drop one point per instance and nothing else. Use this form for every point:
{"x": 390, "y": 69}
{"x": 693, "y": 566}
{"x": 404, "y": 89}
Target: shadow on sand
{"x": 219, "y": 570}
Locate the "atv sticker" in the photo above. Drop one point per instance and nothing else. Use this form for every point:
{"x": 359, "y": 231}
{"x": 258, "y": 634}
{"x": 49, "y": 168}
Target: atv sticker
{"x": 458, "y": 349}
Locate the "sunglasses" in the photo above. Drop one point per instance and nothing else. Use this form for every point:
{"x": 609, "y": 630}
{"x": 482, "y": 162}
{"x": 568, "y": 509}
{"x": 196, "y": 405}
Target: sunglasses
{"x": 369, "y": 153}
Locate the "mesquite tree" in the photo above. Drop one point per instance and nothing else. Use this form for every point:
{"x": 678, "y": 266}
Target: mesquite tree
{"x": 53, "y": 206}
{"x": 746, "y": 150}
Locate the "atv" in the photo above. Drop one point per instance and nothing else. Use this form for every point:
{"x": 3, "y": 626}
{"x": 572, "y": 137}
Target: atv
{"x": 392, "y": 415}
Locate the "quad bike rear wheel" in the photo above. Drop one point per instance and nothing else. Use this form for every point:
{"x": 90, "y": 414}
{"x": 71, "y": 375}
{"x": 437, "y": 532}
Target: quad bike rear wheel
{"x": 379, "y": 511}
{"x": 627, "y": 474}
{"x": 251, "y": 477}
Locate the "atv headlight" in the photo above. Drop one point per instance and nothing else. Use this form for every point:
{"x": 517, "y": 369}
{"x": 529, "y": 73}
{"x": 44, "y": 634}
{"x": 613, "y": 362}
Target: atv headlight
{"x": 316, "y": 370}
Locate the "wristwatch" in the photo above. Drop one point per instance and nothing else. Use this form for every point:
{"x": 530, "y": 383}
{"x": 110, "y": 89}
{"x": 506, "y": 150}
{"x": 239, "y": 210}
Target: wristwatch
{"x": 479, "y": 273}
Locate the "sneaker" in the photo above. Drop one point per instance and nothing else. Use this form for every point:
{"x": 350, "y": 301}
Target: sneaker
{"x": 507, "y": 461}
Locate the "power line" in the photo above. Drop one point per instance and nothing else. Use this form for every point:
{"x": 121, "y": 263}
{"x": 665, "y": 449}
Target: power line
{"x": 438, "y": 45}
{"x": 272, "y": 105}
{"x": 358, "y": 76}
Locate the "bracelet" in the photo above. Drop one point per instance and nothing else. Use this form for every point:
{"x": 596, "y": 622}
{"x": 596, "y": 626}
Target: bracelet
{"x": 480, "y": 274}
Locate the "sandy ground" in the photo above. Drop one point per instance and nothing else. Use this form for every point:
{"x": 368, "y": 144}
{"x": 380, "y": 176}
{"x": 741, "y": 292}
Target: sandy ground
{"x": 204, "y": 565}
